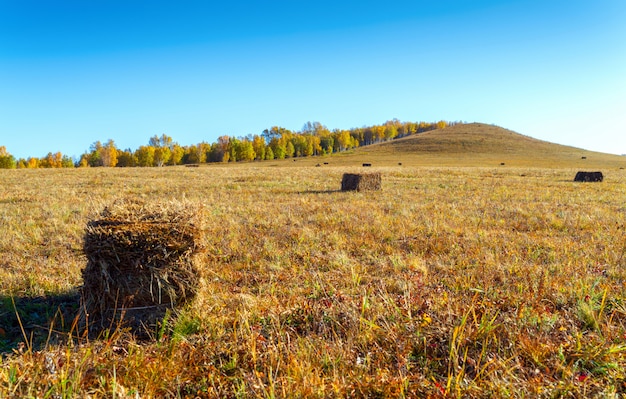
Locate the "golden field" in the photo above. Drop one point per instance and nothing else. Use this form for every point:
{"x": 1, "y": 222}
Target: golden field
{"x": 473, "y": 279}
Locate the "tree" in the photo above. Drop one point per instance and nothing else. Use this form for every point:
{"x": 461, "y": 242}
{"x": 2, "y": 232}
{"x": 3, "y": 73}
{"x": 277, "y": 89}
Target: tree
{"x": 278, "y": 146}
{"x": 221, "y": 150}
{"x": 7, "y": 161}
{"x": 126, "y": 158}
{"x": 327, "y": 143}
{"x": 245, "y": 151}
{"x": 108, "y": 154}
{"x": 67, "y": 162}
{"x": 32, "y": 163}
{"x": 51, "y": 160}
{"x": 342, "y": 140}
{"x": 258, "y": 145}
{"x": 276, "y": 132}
{"x": 163, "y": 141}
{"x": 145, "y": 155}
{"x": 289, "y": 150}
{"x": 391, "y": 129}
{"x": 177, "y": 155}
{"x": 162, "y": 155}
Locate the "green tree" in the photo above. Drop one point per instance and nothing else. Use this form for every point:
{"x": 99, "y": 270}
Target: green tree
{"x": 290, "y": 150}
{"x": 7, "y": 161}
{"x": 67, "y": 162}
{"x": 278, "y": 146}
{"x": 94, "y": 158}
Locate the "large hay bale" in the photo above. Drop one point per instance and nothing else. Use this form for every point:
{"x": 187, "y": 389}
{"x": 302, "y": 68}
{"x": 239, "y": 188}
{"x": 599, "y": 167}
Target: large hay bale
{"x": 589, "y": 176}
{"x": 361, "y": 182}
{"x": 140, "y": 257}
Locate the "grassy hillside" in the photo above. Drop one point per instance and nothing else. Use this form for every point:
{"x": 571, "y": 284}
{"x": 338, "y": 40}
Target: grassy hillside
{"x": 450, "y": 282}
{"x": 477, "y": 144}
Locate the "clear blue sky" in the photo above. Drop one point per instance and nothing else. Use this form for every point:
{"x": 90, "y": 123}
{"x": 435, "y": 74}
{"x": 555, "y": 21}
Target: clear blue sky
{"x": 73, "y": 72}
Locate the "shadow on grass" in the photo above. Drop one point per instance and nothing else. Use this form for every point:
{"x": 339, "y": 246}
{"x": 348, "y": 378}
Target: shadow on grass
{"x": 33, "y": 322}
{"x": 320, "y": 192}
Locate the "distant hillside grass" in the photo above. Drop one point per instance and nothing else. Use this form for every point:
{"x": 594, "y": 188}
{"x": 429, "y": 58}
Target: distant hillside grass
{"x": 473, "y": 144}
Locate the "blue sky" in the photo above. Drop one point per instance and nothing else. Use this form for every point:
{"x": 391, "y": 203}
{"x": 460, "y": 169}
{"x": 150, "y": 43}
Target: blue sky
{"x": 74, "y": 72}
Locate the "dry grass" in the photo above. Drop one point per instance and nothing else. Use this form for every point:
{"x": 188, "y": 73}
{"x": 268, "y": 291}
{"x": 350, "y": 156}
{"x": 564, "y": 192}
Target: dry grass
{"x": 452, "y": 282}
{"x": 482, "y": 145}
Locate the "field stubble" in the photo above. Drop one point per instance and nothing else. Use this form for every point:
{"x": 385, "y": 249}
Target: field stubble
{"x": 450, "y": 282}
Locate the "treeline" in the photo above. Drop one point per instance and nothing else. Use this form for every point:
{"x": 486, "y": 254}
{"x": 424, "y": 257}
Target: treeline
{"x": 275, "y": 143}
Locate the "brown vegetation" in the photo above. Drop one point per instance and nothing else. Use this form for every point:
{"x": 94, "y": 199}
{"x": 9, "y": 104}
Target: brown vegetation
{"x": 477, "y": 281}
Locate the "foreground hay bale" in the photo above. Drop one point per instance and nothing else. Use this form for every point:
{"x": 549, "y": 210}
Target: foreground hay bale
{"x": 589, "y": 176}
{"x": 141, "y": 262}
{"x": 361, "y": 182}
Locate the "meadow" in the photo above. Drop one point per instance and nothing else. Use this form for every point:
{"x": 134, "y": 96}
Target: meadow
{"x": 456, "y": 281}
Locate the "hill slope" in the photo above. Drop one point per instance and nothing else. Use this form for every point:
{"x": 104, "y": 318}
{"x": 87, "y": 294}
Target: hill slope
{"x": 477, "y": 144}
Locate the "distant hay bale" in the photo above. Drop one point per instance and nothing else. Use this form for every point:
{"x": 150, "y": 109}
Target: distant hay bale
{"x": 140, "y": 258}
{"x": 589, "y": 176}
{"x": 361, "y": 182}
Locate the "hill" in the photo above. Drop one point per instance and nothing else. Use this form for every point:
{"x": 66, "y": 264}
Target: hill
{"x": 477, "y": 144}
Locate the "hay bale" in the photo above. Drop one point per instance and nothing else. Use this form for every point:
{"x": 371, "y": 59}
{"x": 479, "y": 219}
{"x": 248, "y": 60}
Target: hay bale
{"x": 361, "y": 182}
{"x": 140, "y": 257}
{"x": 583, "y": 176}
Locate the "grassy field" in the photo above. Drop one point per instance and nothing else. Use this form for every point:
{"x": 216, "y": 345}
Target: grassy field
{"x": 456, "y": 281}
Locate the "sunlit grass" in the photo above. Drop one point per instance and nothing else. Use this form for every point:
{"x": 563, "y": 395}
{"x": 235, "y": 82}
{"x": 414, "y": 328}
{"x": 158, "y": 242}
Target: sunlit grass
{"x": 450, "y": 282}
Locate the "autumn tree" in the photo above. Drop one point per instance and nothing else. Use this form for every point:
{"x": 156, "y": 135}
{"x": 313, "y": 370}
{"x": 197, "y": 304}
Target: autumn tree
{"x": 220, "y": 152}
{"x": 258, "y": 146}
{"x": 51, "y": 160}
{"x": 108, "y": 154}
{"x": 163, "y": 141}
{"x": 32, "y": 163}
{"x": 145, "y": 155}
{"x": 177, "y": 155}
{"x": 126, "y": 158}
{"x": 391, "y": 129}
{"x": 245, "y": 150}
{"x": 196, "y": 153}
{"x": 162, "y": 155}
{"x": 162, "y": 149}
{"x": 278, "y": 147}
